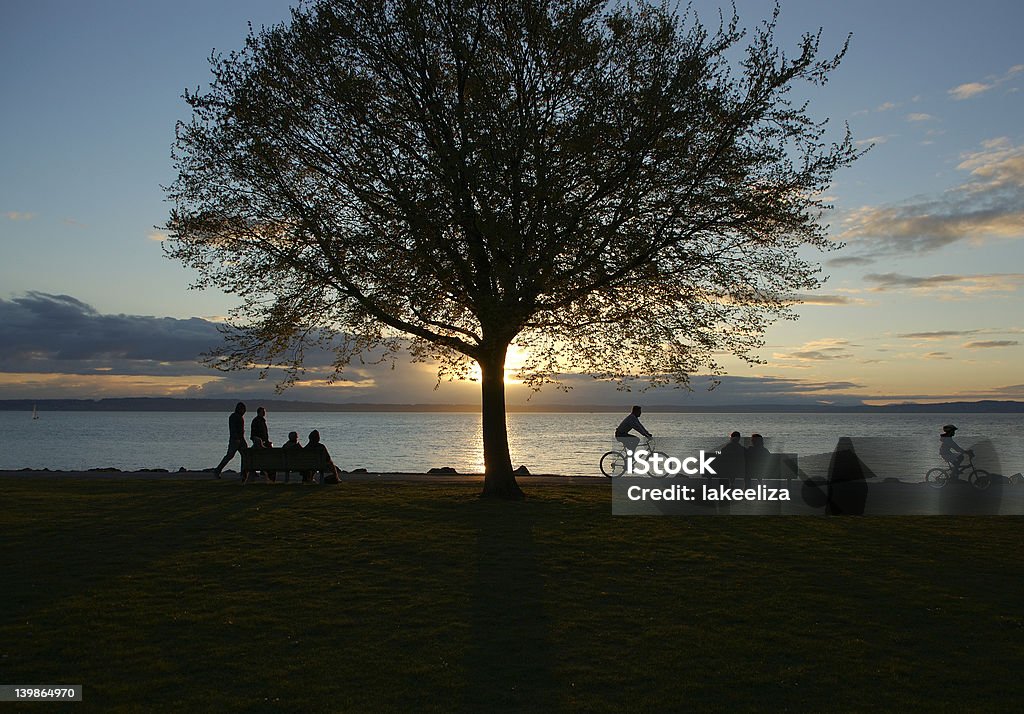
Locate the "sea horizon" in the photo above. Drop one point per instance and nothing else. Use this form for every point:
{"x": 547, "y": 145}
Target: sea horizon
{"x": 216, "y": 404}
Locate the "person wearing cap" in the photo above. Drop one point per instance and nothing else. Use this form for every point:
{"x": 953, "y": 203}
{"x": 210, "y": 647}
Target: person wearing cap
{"x": 951, "y": 452}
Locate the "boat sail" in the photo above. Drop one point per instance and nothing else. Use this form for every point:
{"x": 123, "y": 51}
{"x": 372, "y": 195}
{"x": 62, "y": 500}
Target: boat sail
{"x": 35, "y": 412}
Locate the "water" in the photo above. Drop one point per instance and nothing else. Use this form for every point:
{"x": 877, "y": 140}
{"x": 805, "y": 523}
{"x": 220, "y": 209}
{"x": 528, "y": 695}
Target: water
{"x": 899, "y": 445}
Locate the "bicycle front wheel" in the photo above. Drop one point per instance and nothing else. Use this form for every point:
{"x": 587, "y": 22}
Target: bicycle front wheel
{"x": 613, "y": 464}
{"x": 980, "y": 479}
{"x": 937, "y": 477}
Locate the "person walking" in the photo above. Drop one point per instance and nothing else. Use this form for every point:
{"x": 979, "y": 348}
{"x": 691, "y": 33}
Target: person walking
{"x": 236, "y": 437}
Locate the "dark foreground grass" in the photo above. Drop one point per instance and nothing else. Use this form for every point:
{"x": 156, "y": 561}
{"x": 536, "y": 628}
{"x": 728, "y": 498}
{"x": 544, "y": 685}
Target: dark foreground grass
{"x": 203, "y": 596}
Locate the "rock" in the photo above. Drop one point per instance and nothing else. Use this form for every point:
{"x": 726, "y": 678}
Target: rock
{"x": 522, "y": 471}
{"x": 182, "y": 470}
{"x": 107, "y": 469}
{"x": 358, "y": 471}
{"x": 442, "y": 470}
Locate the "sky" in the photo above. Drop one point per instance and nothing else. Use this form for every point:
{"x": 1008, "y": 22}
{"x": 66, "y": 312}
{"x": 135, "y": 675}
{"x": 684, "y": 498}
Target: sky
{"x": 923, "y": 301}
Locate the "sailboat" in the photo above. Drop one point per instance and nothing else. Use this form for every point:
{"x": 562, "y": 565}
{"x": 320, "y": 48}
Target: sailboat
{"x": 35, "y": 412}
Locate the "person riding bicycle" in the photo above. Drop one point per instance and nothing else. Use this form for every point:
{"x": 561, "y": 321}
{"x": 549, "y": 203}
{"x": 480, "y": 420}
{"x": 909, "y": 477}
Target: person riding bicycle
{"x": 631, "y": 422}
{"x": 951, "y": 452}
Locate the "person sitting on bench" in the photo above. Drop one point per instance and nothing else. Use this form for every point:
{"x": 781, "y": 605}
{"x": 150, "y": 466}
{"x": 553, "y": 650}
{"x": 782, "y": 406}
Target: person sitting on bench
{"x": 314, "y": 443}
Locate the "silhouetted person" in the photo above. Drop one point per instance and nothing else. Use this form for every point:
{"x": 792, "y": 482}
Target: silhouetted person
{"x": 259, "y": 429}
{"x": 847, "y": 491}
{"x": 951, "y": 452}
{"x": 290, "y": 445}
{"x": 236, "y": 437}
{"x": 315, "y": 445}
{"x": 260, "y": 434}
{"x": 758, "y": 458}
{"x": 732, "y": 461}
{"x": 630, "y": 423}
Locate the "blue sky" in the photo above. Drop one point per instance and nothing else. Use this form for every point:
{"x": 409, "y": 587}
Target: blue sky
{"x": 923, "y": 303}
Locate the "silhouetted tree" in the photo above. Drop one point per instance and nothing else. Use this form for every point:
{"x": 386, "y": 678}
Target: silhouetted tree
{"x": 613, "y": 187}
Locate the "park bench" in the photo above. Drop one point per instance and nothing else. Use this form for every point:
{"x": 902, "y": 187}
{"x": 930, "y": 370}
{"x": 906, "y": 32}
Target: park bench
{"x": 281, "y": 460}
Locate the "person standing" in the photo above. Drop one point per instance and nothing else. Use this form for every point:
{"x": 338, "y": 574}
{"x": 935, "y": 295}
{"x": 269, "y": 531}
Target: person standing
{"x": 259, "y": 435}
{"x": 236, "y": 437}
{"x": 259, "y": 430}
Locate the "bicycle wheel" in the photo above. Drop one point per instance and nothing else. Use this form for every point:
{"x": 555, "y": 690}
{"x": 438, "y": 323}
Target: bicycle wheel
{"x": 613, "y": 464}
{"x": 937, "y": 477}
{"x": 980, "y": 479}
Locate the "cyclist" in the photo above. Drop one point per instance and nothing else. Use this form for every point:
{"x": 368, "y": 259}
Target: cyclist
{"x": 631, "y": 422}
{"x": 951, "y": 452}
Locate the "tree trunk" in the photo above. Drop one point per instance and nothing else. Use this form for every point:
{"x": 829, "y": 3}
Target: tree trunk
{"x": 499, "y": 481}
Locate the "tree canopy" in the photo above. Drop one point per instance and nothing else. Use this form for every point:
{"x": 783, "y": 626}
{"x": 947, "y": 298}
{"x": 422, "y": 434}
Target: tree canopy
{"x": 613, "y": 187}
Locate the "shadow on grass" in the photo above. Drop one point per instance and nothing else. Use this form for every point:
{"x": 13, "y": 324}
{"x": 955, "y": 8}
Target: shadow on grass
{"x": 509, "y": 657}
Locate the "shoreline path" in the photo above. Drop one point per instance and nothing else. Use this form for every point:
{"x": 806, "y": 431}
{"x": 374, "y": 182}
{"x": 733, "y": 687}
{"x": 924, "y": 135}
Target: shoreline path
{"x": 235, "y": 477}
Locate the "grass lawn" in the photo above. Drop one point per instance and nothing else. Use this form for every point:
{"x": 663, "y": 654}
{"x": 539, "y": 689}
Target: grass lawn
{"x": 204, "y": 596}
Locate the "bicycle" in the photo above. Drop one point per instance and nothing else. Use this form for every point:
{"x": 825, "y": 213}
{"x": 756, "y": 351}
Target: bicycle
{"x": 978, "y": 478}
{"x": 613, "y": 463}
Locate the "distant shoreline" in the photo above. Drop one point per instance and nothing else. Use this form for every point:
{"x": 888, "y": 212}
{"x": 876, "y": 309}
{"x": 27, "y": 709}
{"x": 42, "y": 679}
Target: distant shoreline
{"x": 170, "y": 404}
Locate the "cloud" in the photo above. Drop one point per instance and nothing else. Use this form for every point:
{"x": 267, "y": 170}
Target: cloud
{"x": 59, "y": 346}
{"x": 939, "y": 335}
{"x": 973, "y": 89}
{"x": 917, "y": 116}
{"x": 890, "y": 281}
{"x": 157, "y": 235}
{"x": 828, "y": 300}
{"x": 968, "y": 90}
{"x": 1009, "y": 392}
{"x": 937, "y": 355}
{"x": 823, "y": 350}
{"x": 39, "y": 330}
{"x": 814, "y": 355}
{"x": 882, "y": 139}
{"x": 990, "y": 343}
{"x": 848, "y": 260}
{"x": 19, "y": 216}
{"x": 988, "y": 204}
{"x": 950, "y": 284}
{"x": 886, "y": 106}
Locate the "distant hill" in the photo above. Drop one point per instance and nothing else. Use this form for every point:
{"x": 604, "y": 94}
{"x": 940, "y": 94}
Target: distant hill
{"x": 171, "y": 404}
